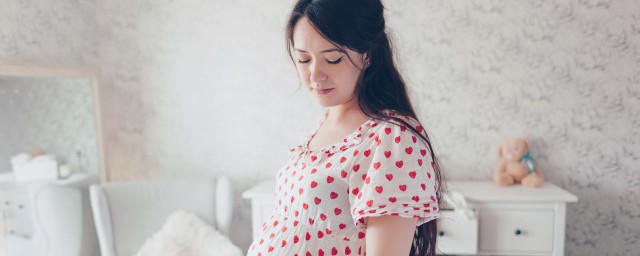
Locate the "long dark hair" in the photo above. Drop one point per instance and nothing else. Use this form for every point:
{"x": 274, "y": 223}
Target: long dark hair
{"x": 359, "y": 25}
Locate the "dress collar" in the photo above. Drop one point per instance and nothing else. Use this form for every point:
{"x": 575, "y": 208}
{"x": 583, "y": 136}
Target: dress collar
{"x": 352, "y": 139}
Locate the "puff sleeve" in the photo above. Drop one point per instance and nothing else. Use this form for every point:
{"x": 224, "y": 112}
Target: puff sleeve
{"x": 393, "y": 175}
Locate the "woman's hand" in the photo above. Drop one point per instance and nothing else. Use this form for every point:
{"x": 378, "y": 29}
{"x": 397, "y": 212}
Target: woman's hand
{"x": 389, "y": 235}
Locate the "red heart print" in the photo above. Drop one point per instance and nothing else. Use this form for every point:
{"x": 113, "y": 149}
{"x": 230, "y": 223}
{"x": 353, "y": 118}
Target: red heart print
{"x": 343, "y": 159}
{"x": 355, "y": 191}
{"x": 415, "y": 198}
{"x": 311, "y": 221}
{"x": 361, "y": 235}
{"x": 397, "y": 140}
{"x": 376, "y": 165}
{"x": 399, "y": 164}
{"x": 367, "y": 152}
{"x": 314, "y": 170}
{"x": 423, "y": 152}
{"x": 403, "y": 187}
{"x": 412, "y": 174}
{"x": 313, "y": 158}
{"x": 387, "y": 154}
{"x": 342, "y": 226}
{"x": 343, "y": 174}
{"x": 389, "y": 176}
{"x": 367, "y": 180}
{"x": 314, "y": 184}
{"x": 320, "y": 234}
{"x": 356, "y": 168}
{"x": 409, "y": 150}
{"x": 284, "y": 243}
{"x": 323, "y": 217}
{"x": 334, "y": 251}
{"x": 337, "y": 211}
{"x": 419, "y": 162}
{"x": 419, "y": 128}
{"x": 300, "y": 191}
{"x": 296, "y": 239}
{"x": 424, "y": 187}
{"x": 387, "y": 130}
{"x": 317, "y": 200}
{"x": 328, "y": 165}
{"x": 379, "y": 189}
{"x": 305, "y": 206}
{"x": 307, "y": 236}
{"x": 355, "y": 152}
{"x": 334, "y": 195}
{"x": 370, "y": 203}
{"x": 413, "y": 138}
{"x": 329, "y": 179}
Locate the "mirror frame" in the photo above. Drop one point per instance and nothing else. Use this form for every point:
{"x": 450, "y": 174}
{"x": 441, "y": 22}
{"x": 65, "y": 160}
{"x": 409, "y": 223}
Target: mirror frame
{"x": 50, "y": 71}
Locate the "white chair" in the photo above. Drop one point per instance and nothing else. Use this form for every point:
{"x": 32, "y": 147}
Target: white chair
{"x": 128, "y": 213}
{"x": 63, "y": 223}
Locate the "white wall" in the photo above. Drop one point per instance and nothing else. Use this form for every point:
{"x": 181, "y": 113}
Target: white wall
{"x": 205, "y": 88}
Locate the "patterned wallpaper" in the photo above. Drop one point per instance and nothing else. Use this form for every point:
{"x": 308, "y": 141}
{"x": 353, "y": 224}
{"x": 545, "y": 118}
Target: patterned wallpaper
{"x": 198, "y": 87}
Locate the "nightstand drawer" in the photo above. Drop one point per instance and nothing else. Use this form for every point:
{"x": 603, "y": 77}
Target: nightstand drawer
{"x": 456, "y": 234}
{"x": 508, "y": 230}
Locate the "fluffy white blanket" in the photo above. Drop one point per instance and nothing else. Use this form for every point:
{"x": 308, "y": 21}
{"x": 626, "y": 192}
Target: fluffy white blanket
{"x": 184, "y": 234}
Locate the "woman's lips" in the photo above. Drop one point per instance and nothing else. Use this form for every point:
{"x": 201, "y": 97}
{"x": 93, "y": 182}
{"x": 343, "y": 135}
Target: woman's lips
{"x": 324, "y": 91}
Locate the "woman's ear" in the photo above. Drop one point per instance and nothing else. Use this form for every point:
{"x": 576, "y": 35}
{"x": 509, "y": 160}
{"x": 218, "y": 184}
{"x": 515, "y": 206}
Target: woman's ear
{"x": 366, "y": 59}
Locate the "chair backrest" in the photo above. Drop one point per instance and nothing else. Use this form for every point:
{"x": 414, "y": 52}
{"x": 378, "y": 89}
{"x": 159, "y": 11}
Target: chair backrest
{"x": 63, "y": 223}
{"x": 128, "y": 213}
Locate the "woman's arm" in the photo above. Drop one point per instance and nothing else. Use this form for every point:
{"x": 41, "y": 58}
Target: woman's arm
{"x": 389, "y": 235}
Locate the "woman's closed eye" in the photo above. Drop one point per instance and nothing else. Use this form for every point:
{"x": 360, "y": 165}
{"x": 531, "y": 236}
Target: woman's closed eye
{"x": 328, "y": 61}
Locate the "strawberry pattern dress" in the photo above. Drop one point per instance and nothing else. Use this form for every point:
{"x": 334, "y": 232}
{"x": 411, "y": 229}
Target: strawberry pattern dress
{"x": 324, "y": 197}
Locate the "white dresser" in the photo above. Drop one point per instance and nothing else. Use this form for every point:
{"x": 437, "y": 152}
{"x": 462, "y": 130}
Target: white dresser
{"x": 511, "y": 220}
{"x": 18, "y": 222}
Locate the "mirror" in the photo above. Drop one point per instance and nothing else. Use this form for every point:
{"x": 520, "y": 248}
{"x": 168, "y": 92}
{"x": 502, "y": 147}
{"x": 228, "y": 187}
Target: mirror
{"x": 53, "y": 110}
{"x": 50, "y": 133}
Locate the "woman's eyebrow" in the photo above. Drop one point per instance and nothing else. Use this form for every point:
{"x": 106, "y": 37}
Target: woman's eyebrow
{"x": 327, "y": 50}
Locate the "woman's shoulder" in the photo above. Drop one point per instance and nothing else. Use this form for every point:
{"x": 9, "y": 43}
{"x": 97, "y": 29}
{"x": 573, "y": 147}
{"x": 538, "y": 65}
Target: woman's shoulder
{"x": 394, "y": 123}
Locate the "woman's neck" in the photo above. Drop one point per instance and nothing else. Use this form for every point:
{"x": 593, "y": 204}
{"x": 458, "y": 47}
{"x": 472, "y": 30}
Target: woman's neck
{"x": 345, "y": 113}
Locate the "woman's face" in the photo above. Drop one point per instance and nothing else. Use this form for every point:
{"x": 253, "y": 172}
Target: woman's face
{"x": 324, "y": 69}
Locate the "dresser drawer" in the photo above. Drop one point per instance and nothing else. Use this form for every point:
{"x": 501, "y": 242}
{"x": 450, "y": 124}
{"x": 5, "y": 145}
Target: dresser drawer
{"x": 17, "y": 213}
{"x": 456, "y": 234}
{"x": 507, "y": 230}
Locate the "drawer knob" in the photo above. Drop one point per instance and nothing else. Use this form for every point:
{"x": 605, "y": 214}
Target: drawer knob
{"x": 441, "y": 233}
{"x": 518, "y": 232}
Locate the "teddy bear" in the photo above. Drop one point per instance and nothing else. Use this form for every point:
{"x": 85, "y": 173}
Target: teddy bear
{"x": 516, "y": 165}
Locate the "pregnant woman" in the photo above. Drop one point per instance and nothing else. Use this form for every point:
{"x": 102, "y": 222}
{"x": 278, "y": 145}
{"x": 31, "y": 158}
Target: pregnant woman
{"x": 366, "y": 179}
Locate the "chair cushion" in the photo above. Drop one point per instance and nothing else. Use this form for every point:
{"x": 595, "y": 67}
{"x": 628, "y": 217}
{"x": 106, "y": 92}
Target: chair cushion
{"x": 184, "y": 233}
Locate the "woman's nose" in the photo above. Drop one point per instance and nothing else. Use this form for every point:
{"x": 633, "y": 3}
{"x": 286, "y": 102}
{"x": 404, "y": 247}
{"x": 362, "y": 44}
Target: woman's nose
{"x": 316, "y": 73}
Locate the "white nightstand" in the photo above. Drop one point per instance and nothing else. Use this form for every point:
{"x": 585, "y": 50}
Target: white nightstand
{"x": 511, "y": 220}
